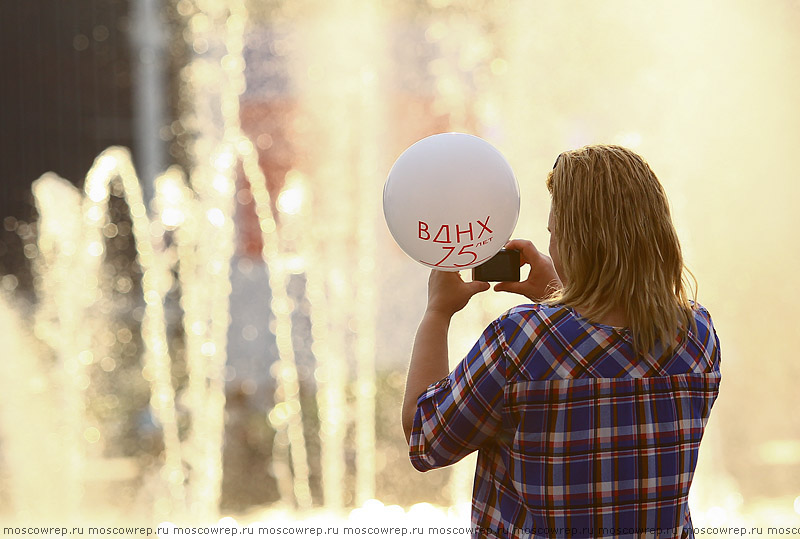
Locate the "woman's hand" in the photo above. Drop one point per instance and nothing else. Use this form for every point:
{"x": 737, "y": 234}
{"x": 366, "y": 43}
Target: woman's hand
{"x": 448, "y": 293}
{"x": 542, "y": 278}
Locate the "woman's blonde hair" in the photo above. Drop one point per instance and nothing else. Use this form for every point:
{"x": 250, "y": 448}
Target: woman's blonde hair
{"x": 618, "y": 246}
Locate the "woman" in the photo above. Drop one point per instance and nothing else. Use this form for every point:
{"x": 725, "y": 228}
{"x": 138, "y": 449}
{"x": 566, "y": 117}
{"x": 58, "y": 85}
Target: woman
{"x": 587, "y": 406}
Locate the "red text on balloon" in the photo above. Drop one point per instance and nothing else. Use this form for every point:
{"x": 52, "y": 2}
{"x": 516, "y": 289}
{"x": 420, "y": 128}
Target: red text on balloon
{"x": 443, "y": 235}
{"x": 464, "y": 256}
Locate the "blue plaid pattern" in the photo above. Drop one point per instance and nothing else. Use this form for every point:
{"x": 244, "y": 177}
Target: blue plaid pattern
{"x": 578, "y": 436}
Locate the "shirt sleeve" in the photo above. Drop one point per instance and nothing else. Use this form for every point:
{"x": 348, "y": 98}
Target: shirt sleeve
{"x": 460, "y": 412}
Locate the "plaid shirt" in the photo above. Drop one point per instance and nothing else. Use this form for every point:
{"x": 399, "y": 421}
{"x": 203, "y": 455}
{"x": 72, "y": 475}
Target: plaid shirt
{"x": 578, "y": 436}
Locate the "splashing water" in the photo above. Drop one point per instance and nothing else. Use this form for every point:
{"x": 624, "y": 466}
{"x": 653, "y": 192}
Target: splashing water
{"x": 198, "y": 220}
{"x": 190, "y": 235}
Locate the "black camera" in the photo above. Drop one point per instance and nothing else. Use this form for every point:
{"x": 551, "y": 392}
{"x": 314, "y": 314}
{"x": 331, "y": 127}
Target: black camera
{"x": 504, "y": 266}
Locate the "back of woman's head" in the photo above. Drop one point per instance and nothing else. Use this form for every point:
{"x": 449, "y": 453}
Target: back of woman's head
{"x": 617, "y": 244}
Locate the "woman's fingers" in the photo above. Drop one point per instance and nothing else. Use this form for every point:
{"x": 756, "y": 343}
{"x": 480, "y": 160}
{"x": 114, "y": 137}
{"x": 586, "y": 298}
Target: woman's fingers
{"x": 510, "y": 286}
{"x": 524, "y": 288}
{"x": 542, "y": 279}
{"x": 448, "y": 293}
{"x": 526, "y": 248}
{"x": 476, "y": 287}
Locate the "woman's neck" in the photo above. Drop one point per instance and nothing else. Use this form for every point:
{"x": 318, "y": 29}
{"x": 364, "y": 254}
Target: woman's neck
{"x": 615, "y": 317}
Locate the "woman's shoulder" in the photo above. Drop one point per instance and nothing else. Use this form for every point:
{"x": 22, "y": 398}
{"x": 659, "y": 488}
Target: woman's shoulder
{"x": 558, "y": 314}
{"x": 701, "y": 314}
{"x": 531, "y": 315}
{"x": 705, "y": 330}
{"x": 540, "y": 310}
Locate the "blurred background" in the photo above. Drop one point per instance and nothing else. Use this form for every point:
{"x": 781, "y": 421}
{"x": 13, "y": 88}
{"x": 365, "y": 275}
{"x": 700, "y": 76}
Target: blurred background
{"x": 202, "y": 312}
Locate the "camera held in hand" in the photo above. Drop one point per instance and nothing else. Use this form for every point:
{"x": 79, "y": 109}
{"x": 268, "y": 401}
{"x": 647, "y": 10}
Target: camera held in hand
{"x": 504, "y": 266}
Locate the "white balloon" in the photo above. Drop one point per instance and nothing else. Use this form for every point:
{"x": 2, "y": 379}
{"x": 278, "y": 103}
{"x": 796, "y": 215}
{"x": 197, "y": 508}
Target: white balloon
{"x": 451, "y": 201}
